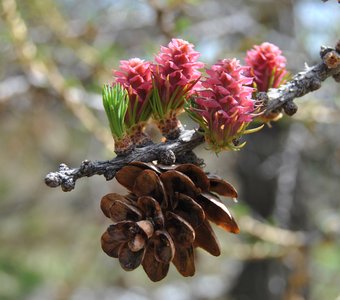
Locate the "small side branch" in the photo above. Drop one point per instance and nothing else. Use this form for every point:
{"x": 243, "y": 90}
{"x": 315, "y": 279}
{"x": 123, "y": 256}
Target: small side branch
{"x": 168, "y": 151}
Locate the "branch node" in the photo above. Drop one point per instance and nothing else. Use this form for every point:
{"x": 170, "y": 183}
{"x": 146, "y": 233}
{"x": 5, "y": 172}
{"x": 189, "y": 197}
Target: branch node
{"x": 63, "y": 167}
{"x": 68, "y": 184}
{"x": 290, "y": 108}
{"x": 324, "y": 50}
{"x": 86, "y": 167}
{"x": 53, "y": 179}
{"x": 190, "y": 157}
{"x": 167, "y": 157}
{"x": 332, "y": 59}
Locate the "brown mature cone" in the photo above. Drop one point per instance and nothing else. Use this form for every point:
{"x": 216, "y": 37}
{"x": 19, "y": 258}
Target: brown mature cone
{"x": 165, "y": 217}
{"x": 138, "y": 227}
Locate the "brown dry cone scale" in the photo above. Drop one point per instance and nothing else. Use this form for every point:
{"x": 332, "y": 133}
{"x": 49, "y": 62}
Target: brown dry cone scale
{"x": 165, "y": 216}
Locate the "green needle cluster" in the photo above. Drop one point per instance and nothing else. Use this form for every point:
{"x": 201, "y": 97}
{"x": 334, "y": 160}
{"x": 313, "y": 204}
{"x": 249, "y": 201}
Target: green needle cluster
{"x": 116, "y": 101}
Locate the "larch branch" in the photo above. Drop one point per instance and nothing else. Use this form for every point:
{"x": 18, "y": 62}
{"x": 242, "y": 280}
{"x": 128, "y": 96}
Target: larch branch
{"x": 180, "y": 149}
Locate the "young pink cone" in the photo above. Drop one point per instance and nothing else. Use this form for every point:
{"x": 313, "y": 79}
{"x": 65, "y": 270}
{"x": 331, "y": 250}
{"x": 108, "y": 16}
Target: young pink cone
{"x": 135, "y": 76}
{"x": 225, "y": 107}
{"x": 268, "y": 66}
{"x": 175, "y": 77}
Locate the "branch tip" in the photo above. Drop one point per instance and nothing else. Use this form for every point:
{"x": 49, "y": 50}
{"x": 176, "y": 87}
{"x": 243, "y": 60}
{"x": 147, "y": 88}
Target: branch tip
{"x": 52, "y": 179}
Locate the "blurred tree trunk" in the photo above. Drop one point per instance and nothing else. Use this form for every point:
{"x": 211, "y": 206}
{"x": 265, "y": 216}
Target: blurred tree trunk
{"x": 269, "y": 175}
{"x": 257, "y": 170}
{"x": 268, "y": 169}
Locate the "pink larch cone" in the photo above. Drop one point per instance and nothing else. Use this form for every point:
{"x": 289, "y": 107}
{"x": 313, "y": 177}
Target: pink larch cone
{"x": 225, "y": 107}
{"x": 268, "y": 66}
{"x": 135, "y": 76}
{"x": 175, "y": 76}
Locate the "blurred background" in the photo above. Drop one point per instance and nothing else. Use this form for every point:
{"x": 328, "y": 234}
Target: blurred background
{"x": 54, "y": 57}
